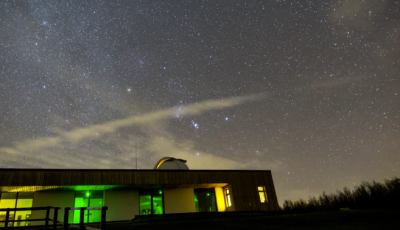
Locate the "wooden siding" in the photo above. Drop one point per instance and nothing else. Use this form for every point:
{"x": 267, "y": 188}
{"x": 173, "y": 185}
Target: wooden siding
{"x": 243, "y": 184}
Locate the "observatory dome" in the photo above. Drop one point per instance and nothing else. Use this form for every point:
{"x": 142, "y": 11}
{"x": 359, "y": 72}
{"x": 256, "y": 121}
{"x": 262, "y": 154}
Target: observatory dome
{"x": 171, "y": 163}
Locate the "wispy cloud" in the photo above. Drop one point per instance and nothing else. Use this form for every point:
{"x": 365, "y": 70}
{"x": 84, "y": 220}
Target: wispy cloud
{"x": 44, "y": 145}
{"x": 95, "y": 131}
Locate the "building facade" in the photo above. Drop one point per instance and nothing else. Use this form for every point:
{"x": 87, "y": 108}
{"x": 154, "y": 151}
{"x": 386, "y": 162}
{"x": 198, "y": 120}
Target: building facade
{"x": 128, "y": 193}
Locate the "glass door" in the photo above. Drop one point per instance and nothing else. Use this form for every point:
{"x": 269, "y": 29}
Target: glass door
{"x": 151, "y": 202}
{"x": 7, "y": 200}
{"x": 16, "y": 200}
{"x": 81, "y": 201}
{"x": 158, "y": 205}
{"x": 204, "y": 200}
{"x": 96, "y": 200}
{"x": 25, "y": 200}
{"x": 88, "y": 199}
{"x": 145, "y": 204}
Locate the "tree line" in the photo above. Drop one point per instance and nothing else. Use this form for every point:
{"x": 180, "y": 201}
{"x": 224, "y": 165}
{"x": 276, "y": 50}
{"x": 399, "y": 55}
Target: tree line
{"x": 365, "y": 196}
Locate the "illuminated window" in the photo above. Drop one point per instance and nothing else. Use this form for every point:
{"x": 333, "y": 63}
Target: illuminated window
{"x": 227, "y": 198}
{"x": 16, "y": 200}
{"x": 88, "y": 199}
{"x": 205, "y": 200}
{"x": 151, "y": 202}
{"x": 262, "y": 194}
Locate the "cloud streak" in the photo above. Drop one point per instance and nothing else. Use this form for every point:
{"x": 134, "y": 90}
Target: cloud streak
{"x": 78, "y": 135}
{"x": 194, "y": 109}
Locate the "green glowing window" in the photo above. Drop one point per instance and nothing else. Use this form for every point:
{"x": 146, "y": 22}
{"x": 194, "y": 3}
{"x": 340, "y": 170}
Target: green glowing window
{"x": 204, "y": 200}
{"x": 196, "y": 202}
{"x": 88, "y": 199}
{"x": 151, "y": 202}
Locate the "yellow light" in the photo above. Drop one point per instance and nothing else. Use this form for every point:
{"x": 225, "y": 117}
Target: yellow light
{"x": 262, "y": 197}
{"x": 262, "y": 193}
{"x": 228, "y": 198}
{"x": 159, "y": 164}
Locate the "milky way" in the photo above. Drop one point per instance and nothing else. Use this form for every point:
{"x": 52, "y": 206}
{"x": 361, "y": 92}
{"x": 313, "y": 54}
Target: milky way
{"x": 307, "y": 89}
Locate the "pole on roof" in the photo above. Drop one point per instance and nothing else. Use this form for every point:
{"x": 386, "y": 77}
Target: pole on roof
{"x": 136, "y": 153}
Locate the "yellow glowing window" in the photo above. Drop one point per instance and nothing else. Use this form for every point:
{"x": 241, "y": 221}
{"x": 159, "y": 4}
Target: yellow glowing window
{"x": 227, "y": 198}
{"x": 262, "y": 194}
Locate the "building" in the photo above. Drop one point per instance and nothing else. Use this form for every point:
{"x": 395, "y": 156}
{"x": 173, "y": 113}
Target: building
{"x": 168, "y": 188}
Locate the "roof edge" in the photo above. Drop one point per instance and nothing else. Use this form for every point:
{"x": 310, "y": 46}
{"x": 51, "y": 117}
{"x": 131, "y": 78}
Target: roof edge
{"x": 131, "y": 170}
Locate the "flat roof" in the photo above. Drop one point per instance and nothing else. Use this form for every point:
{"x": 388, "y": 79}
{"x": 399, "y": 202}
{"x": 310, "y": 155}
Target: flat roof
{"x": 134, "y": 170}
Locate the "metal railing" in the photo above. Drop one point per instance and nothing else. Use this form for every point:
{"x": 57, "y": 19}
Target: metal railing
{"x": 46, "y": 220}
{"x": 55, "y": 216}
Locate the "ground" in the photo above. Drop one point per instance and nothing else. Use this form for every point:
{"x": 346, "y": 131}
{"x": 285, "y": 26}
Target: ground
{"x": 364, "y": 219}
{"x": 360, "y": 219}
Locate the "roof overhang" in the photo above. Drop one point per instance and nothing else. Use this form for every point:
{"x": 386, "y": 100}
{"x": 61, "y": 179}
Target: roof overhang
{"x": 105, "y": 187}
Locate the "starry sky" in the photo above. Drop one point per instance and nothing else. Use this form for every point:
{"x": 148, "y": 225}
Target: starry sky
{"x": 307, "y": 89}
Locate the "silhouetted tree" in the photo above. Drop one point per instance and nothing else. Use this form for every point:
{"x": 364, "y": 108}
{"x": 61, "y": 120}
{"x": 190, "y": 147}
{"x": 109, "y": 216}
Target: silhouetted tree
{"x": 366, "y": 195}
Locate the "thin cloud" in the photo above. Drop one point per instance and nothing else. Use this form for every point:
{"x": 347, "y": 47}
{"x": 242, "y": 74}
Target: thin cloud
{"x": 95, "y": 131}
{"x": 25, "y": 148}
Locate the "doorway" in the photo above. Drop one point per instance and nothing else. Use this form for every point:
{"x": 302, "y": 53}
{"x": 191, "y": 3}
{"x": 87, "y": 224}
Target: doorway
{"x": 151, "y": 202}
{"x": 88, "y": 199}
{"x": 204, "y": 200}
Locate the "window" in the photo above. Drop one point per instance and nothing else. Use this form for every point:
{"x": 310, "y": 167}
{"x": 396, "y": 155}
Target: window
{"x": 16, "y": 200}
{"x": 262, "y": 194}
{"x": 227, "y": 198}
{"x": 204, "y": 200}
{"x": 151, "y": 202}
{"x": 88, "y": 199}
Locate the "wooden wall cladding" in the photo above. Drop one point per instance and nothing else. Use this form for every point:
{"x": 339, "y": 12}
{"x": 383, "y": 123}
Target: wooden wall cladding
{"x": 243, "y": 183}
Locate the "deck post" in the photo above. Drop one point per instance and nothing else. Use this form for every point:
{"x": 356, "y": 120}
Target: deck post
{"x": 82, "y": 219}
{"x": 66, "y": 212}
{"x": 55, "y": 217}
{"x": 46, "y": 222}
{"x": 103, "y": 217}
{"x": 7, "y": 217}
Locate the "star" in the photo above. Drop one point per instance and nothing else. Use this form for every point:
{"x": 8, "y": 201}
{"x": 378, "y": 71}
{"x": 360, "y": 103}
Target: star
{"x": 196, "y": 126}
{"x": 323, "y": 103}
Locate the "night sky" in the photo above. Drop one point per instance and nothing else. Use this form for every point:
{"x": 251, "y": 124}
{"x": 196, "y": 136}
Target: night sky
{"x": 307, "y": 89}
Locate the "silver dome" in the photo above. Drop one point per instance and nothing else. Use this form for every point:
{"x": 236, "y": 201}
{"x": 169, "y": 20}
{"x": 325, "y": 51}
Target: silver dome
{"x": 171, "y": 163}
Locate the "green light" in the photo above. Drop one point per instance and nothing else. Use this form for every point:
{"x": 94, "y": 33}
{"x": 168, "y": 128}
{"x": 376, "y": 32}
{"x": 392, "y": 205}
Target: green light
{"x": 160, "y": 192}
{"x": 87, "y": 194}
{"x": 208, "y": 194}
